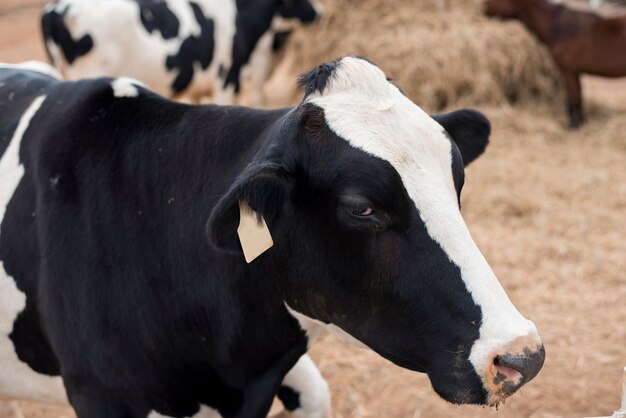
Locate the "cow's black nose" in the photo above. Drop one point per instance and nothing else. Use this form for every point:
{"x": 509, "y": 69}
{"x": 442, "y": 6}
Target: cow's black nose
{"x": 519, "y": 369}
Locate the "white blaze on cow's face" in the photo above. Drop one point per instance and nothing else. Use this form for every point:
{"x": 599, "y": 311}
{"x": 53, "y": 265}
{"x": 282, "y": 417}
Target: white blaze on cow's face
{"x": 363, "y": 108}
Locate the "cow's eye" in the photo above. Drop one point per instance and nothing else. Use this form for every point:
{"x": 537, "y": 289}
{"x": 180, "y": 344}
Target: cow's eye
{"x": 357, "y": 211}
{"x": 363, "y": 212}
{"x": 357, "y": 208}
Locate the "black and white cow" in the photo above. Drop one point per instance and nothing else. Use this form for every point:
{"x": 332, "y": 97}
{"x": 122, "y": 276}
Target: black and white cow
{"x": 185, "y": 49}
{"x": 121, "y": 247}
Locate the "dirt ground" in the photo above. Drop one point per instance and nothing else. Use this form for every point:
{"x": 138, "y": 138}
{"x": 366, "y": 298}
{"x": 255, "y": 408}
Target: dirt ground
{"x": 548, "y": 209}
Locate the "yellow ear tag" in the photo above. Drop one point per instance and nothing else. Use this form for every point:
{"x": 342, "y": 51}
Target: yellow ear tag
{"x": 253, "y": 234}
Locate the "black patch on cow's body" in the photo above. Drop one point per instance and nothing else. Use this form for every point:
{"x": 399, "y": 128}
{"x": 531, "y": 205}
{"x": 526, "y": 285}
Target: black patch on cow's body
{"x": 155, "y": 15}
{"x": 254, "y": 18}
{"x": 302, "y": 10}
{"x": 289, "y": 397}
{"x": 31, "y": 345}
{"x": 252, "y": 21}
{"x": 280, "y": 40}
{"x": 193, "y": 49}
{"x": 55, "y": 30}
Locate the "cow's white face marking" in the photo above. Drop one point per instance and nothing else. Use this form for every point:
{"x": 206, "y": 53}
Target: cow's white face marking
{"x": 371, "y": 114}
{"x": 125, "y": 87}
{"x": 37, "y": 66}
{"x": 16, "y": 378}
{"x": 204, "y": 412}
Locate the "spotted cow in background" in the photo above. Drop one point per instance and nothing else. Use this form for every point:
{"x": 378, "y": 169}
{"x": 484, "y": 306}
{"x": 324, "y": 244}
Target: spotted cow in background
{"x": 131, "y": 276}
{"x": 179, "y": 48}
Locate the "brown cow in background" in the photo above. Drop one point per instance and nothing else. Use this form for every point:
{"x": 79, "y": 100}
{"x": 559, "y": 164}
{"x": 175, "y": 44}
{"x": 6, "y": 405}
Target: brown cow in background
{"x": 580, "y": 41}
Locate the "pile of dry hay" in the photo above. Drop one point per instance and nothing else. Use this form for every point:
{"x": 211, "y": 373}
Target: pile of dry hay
{"x": 440, "y": 52}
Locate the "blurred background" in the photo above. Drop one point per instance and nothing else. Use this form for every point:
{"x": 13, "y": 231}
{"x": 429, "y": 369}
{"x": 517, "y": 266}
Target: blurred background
{"x": 546, "y": 205}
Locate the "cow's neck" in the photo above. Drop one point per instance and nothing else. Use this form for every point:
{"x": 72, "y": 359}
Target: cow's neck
{"x": 257, "y": 341}
{"x": 268, "y": 330}
{"x": 540, "y": 17}
{"x": 235, "y": 307}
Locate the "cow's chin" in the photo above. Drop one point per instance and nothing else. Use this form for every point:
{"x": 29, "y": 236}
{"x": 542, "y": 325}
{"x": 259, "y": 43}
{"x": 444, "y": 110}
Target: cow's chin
{"x": 453, "y": 386}
{"x": 469, "y": 390}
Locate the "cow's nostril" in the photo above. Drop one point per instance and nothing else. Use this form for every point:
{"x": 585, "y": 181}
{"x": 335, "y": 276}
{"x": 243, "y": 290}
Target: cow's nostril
{"x": 519, "y": 369}
{"x": 507, "y": 373}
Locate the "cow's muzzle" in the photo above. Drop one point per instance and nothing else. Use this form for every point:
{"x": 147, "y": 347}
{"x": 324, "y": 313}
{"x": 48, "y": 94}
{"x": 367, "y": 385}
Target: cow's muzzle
{"x": 510, "y": 369}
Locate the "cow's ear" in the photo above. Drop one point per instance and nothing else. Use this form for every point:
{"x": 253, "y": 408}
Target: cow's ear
{"x": 264, "y": 186}
{"x": 469, "y": 129}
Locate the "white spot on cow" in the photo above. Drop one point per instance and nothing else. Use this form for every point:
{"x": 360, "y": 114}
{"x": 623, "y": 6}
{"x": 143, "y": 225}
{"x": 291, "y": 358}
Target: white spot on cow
{"x": 319, "y": 8}
{"x": 225, "y": 95}
{"x": 37, "y": 66}
{"x": 258, "y": 69}
{"x": 11, "y": 170}
{"x": 17, "y": 379}
{"x": 54, "y": 181}
{"x": 369, "y": 112}
{"x": 125, "y": 87}
{"x": 306, "y": 379}
{"x": 315, "y": 328}
{"x": 204, "y": 412}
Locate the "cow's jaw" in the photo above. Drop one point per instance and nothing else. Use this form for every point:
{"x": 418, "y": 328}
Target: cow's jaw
{"x": 314, "y": 328}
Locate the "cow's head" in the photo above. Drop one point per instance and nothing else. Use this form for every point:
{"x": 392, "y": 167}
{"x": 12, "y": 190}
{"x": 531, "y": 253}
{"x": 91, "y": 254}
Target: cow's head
{"x": 360, "y": 189}
{"x": 505, "y": 9}
{"x": 303, "y": 11}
